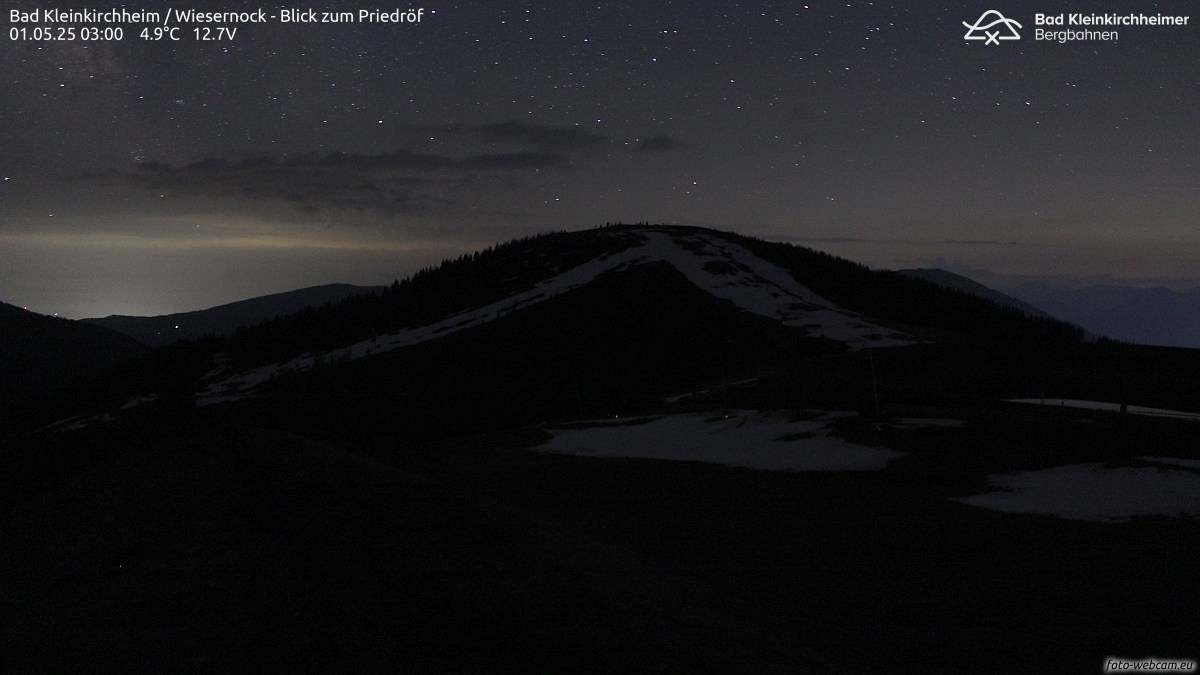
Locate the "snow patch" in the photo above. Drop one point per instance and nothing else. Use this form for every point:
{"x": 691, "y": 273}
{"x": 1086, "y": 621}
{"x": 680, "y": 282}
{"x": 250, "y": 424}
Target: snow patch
{"x": 751, "y": 439}
{"x": 1172, "y": 461}
{"x": 1094, "y": 492}
{"x": 728, "y": 385}
{"x": 927, "y": 422}
{"x": 1114, "y": 407}
{"x": 139, "y": 400}
{"x": 763, "y": 288}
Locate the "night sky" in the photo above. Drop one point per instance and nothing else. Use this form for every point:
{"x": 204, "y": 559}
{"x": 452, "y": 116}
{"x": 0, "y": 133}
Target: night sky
{"x": 144, "y": 177}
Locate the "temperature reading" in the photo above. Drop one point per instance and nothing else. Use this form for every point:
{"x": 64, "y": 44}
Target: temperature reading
{"x": 160, "y": 33}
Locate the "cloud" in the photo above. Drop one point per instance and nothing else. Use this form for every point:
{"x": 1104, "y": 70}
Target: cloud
{"x": 407, "y": 179}
{"x": 405, "y": 160}
{"x": 658, "y": 143}
{"x": 894, "y": 240}
{"x": 398, "y": 160}
{"x": 982, "y": 242}
{"x": 391, "y": 182}
{"x": 310, "y": 183}
{"x": 824, "y": 240}
{"x": 513, "y": 161}
{"x": 541, "y": 136}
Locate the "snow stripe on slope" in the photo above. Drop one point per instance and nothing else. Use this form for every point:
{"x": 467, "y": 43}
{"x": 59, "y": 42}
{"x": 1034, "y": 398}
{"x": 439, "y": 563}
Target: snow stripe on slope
{"x": 754, "y": 285}
{"x": 1114, "y": 407}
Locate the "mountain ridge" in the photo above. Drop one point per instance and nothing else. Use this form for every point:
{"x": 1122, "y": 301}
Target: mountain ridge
{"x": 1153, "y": 316}
{"x": 223, "y": 319}
{"x": 967, "y": 285}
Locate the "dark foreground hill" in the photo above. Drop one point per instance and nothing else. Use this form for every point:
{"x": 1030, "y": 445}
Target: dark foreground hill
{"x": 365, "y": 486}
{"x": 39, "y": 353}
{"x": 216, "y": 545}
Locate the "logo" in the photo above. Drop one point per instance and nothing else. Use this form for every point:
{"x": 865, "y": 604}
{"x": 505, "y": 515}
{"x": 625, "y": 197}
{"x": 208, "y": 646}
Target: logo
{"x": 982, "y": 30}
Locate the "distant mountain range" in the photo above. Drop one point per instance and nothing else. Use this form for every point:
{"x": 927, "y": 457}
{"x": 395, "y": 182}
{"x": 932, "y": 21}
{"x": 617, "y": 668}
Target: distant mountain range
{"x": 961, "y": 283}
{"x": 224, "y": 319}
{"x": 1151, "y": 316}
{"x": 1160, "y": 312}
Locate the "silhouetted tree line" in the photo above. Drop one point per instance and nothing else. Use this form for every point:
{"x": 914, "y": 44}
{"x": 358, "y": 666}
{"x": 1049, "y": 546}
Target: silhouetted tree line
{"x": 466, "y": 282}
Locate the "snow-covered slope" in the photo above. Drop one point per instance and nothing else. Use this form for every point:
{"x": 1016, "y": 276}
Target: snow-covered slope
{"x": 1095, "y": 492}
{"x": 720, "y": 267}
{"x": 756, "y": 440}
